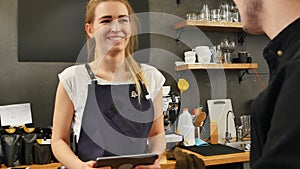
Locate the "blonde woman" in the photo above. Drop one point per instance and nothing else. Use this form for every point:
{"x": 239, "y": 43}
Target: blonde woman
{"x": 112, "y": 104}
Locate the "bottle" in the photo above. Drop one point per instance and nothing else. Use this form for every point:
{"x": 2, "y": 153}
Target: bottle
{"x": 213, "y": 132}
{"x": 186, "y": 127}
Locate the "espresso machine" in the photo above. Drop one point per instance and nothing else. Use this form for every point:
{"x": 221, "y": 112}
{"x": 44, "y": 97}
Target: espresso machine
{"x": 171, "y": 110}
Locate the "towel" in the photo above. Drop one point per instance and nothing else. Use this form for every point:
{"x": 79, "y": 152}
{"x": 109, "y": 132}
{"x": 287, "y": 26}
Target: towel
{"x": 185, "y": 160}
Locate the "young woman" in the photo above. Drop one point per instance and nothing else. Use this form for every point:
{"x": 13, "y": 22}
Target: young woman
{"x": 112, "y": 104}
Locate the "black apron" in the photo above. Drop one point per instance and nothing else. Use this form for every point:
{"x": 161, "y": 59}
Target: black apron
{"x": 114, "y": 122}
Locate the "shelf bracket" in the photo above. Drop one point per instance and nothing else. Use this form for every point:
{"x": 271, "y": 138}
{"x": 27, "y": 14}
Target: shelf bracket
{"x": 242, "y": 74}
{"x": 179, "y": 32}
{"x": 241, "y": 37}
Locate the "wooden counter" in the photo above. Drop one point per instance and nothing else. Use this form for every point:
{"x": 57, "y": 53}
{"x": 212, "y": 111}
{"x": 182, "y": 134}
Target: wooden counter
{"x": 36, "y": 166}
{"x": 170, "y": 164}
{"x": 210, "y": 160}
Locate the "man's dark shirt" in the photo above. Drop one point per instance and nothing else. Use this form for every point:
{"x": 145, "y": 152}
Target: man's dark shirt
{"x": 275, "y": 114}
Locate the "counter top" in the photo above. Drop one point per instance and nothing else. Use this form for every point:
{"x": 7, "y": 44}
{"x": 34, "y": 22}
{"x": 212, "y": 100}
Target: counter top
{"x": 37, "y": 166}
{"x": 170, "y": 164}
{"x": 223, "y": 159}
{"x": 209, "y": 160}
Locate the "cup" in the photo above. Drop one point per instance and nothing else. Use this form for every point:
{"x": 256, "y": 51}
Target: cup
{"x": 190, "y": 56}
{"x": 227, "y": 58}
{"x": 203, "y": 54}
{"x": 191, "y": 16}
{"x": 245, "y": 121}
{"x": 205, "y": 13}
{"x": 166, "y": 90}
{"x": 243, "y": 57}
{"x": 213, "y": 14}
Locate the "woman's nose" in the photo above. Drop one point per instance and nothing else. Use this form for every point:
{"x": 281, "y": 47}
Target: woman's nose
{"x": 115, "y": 26}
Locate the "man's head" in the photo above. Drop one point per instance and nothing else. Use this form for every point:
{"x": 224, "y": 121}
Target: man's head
{"x": 251, "y": 14}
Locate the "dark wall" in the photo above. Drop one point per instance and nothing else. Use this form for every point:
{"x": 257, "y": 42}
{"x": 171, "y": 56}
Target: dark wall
{"x": 35, "y": 82}
{"x": 24, "y": 82}
{"x": 53, "y": 31}
{"x": 208, "y": 82}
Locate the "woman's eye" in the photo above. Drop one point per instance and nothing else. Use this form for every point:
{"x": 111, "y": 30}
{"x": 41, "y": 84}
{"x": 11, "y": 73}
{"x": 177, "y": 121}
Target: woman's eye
{"x": 105, "y": 21}
{"x": 123, "y": 20}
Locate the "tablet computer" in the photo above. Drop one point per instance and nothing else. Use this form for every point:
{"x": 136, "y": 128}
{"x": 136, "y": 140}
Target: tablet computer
{"x": 126, "y": 161}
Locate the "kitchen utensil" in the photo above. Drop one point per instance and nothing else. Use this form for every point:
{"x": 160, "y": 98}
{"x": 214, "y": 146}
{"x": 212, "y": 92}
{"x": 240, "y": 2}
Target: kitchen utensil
{"x": 182, "y": 85}
{"x": 242, "y": 56}
{"x": 217, "y": 110}
{"x": 199, "y": 119}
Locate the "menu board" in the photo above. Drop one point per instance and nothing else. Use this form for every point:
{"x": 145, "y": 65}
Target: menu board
{"x": 15, "y": 115}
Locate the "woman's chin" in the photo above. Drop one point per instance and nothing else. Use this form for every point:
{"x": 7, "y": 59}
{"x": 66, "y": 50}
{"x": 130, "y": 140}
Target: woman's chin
{"x": 116, "y": 49}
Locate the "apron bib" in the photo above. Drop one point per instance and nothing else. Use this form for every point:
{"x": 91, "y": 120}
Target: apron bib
{"x": 114, "y": 122}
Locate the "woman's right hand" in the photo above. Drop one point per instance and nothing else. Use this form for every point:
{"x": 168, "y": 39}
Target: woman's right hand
{"x": 91, "y": 164}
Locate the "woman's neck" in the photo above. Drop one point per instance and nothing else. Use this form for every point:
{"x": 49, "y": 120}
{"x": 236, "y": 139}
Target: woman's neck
{"x": 111, "y": 68}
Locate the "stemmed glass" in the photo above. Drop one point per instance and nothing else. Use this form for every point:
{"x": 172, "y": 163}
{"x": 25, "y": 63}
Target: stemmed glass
{"x": 227, "y": 48}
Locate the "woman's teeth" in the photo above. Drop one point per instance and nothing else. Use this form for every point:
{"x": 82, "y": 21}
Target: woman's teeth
{"x": 115, "y": 38}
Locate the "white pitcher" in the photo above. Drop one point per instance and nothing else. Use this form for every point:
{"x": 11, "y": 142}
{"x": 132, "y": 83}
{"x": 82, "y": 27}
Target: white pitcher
{"x": 203, "y": 54}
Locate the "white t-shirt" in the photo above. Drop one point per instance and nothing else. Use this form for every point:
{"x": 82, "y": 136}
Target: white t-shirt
{"x": 75, "y": 80}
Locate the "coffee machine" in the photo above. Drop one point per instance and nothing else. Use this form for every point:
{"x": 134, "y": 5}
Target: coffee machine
{"x": 171, "y": 110}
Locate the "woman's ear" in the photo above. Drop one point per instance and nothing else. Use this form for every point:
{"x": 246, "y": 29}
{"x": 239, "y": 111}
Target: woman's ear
{"x": 88, "y": 29}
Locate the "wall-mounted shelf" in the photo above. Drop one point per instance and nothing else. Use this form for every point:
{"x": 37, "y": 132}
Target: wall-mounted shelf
{"x": 210, "y": 25}
{"x": 236, "y": 66}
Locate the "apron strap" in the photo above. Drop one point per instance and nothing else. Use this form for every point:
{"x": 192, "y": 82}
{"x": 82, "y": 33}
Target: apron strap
{"x": 90, "y": 72}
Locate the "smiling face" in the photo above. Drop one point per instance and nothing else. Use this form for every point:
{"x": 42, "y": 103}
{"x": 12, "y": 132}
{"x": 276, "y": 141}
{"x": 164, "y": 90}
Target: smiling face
{"x": 111, "y": 27}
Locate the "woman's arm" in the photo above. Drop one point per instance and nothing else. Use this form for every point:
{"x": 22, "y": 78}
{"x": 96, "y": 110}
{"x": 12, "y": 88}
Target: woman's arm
{"x": 60, "y": 141}
{"x": 157, "y": 140}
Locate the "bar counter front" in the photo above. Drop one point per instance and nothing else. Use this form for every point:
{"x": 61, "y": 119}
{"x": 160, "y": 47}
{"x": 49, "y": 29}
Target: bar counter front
{"x": 213, "y": 160}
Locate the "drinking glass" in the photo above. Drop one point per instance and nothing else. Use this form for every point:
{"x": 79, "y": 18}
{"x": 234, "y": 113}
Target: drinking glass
{"x": 213, "y": 15}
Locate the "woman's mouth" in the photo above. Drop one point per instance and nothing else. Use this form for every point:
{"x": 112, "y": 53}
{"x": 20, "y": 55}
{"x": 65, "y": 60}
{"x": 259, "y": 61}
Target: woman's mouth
{"x": 115, "y": 38}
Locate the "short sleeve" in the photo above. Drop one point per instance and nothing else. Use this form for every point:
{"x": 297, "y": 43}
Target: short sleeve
{"x": 154, "y": 79}
{"x": 66, "y": 78}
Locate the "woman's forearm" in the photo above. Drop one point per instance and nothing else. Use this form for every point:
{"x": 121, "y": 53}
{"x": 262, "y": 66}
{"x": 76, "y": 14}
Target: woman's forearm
{"x": 65, "y": 155}
{"x": 157, "y": 144}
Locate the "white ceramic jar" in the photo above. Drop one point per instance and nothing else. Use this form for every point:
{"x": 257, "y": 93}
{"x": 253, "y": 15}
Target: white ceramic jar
{"x": 203, "y": 54}
{"x": 190, "y": 56}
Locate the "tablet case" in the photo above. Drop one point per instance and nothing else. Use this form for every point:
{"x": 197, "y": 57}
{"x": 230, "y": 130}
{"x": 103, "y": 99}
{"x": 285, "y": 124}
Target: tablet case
{"x": 126, "y": 161}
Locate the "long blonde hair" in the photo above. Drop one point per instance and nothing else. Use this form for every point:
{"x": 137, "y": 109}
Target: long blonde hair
{"x": 133, "y": 66}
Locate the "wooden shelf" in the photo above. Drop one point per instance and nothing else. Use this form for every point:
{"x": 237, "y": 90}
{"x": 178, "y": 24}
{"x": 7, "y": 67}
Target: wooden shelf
{"x": 210, "y": 25}
{"x": 235, "y": 66}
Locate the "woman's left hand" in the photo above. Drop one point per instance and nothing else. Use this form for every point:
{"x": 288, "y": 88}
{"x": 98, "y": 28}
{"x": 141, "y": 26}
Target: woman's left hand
{"x": 156, "y": 165}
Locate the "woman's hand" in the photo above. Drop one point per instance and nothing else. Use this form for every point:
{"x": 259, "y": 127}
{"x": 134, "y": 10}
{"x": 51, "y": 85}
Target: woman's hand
{"x": 156, "y": 165}
{"x": 91, "y": 164}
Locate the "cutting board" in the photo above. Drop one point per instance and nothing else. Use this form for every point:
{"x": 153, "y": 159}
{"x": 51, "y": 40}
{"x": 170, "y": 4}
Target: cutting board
{"x": 217, "y": 110}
